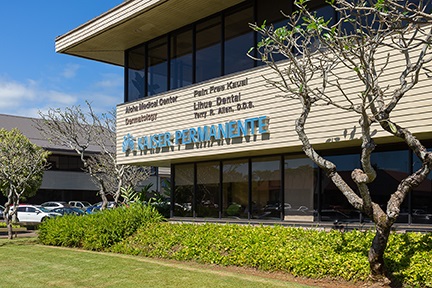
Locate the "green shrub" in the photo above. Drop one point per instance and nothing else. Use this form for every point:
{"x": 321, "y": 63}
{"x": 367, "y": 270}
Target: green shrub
{"x": 66, "y": 231}
{"x": 409, "y": 256}
{"x": 97, "y": 231}
{"x": 301, "y": 252}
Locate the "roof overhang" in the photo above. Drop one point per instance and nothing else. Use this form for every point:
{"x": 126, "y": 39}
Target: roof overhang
{"x": 106, "y": 37}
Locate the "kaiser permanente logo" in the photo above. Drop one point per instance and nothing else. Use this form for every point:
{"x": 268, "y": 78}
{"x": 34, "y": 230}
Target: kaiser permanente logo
{"x": 228, "y": 130}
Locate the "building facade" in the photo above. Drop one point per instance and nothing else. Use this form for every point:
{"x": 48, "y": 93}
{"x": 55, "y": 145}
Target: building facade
{"x": 65, "y": 180}
{"x": 195, "y": 102}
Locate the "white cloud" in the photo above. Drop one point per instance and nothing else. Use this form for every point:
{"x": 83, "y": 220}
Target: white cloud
{"x": 70, "y": 71}
{"x": 12, "y": 94}
{"x": 57, "y": 97}
{"x": 29, "y": 97}
{"x": 110, "y": 81}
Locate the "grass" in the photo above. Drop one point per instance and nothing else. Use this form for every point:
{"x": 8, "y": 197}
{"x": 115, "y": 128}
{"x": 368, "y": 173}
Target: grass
{"x": 24, "y": 263}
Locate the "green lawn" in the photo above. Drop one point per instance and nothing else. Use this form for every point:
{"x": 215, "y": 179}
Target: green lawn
{"x": 24, "y": 263}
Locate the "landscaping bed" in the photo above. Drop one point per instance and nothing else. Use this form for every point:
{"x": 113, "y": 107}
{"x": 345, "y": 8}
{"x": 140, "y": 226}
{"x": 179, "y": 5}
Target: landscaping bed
{"x": 300, "y": 252}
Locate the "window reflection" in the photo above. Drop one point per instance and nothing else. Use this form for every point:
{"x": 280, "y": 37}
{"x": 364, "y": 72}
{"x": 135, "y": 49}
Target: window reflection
{"x": 213, "y": 56}
{"x": 207, "y": 196}
{"x": 421, "y": 197}
{"x": 157, "y": 67}
{"x": 274, "y": 17}
{"x": 135, "y": 73}
{"x": 183, "y": 193}
{"x": 299, "y": 191}
{"x": 238, "y": 39}
{"x": 235, "y": 189}
{"x": 391, "y": 167}
{"x": 334, "y": 205}
{"x": 181, "y": 69}
{"x": 266, "y": 188}
{"x": 208, "y": 53}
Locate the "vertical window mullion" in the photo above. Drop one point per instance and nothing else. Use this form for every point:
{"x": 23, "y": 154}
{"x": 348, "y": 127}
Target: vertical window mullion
{"x": 255, "y": 52}
{"x": 282, "y": 188}
{"x": 168, "y": 61}
{"x": 220, "y": 189}
{"x": 194, "y": 62}
{"x": 222, "y": 62}
{"x": 146, "y": 71}
{"x": 249, "y": 188}
{"x": 410, "y": 171}
{"x": 126, "y": 77}
{"x": 172, "y": 190}
{"x": 195, "y": 190}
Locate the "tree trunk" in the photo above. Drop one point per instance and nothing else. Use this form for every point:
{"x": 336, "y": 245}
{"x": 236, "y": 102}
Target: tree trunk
{"x": 9, "y": 228}
{"x": 7, "y": 214}
{"x": 376, "y": 253}
{"x": 104, "y": 199}
{"x": 10, "y": 219}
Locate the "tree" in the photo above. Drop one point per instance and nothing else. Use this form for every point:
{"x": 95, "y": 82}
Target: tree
{"x": 325, "y": 57}
{"x": 83, "y": 131}
{"x": 22, "y": 165}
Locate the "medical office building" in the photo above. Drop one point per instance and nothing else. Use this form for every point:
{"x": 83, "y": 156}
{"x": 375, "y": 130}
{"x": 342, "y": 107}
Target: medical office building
{"x": 196, "y": 103}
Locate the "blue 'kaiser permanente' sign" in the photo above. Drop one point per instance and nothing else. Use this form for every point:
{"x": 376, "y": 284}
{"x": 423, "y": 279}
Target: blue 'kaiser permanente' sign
{"x": 200, "y": 134}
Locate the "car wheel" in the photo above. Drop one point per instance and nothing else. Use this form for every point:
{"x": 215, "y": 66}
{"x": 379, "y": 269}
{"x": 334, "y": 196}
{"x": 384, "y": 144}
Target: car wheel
{"x": 44, "y": 219}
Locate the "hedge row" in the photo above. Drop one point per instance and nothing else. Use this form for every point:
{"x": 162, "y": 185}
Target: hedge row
{"x": 307, "y": 253}
{"x": 97, "y": 231}
{"x": 138, "y": 230}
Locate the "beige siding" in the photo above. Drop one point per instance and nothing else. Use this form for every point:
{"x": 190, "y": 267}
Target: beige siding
{"x": 325, "y": 125}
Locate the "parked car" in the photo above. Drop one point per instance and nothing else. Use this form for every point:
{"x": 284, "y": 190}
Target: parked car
{"x": 96, "y": 207}
{"x": 79, "y": 204}
{"x": 68, "y": 211}
{"x": 421, "y": 216}
{"x": 54, "y": 204}
{"x": 1, "y": 211}
{"x": 31, "y": 214}
{"x": 333, "y": 215}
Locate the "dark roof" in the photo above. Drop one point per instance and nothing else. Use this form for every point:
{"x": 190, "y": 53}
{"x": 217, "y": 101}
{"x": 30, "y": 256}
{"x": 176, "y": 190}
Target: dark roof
{"x": 27, "y": 126}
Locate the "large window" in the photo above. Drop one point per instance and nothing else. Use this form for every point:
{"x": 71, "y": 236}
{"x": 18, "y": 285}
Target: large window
{"x": 208, "y": 49}
{"x": 266, "y": 188}
{"x": 421, "y": 198}
{"x": 184, "y": 188}
{"x": 292, "y": 188}
{"x": 203, "y": 50}
{"x": 157, "y": 66}
{"x": 334, "y": 205}
{"x": 181, "y": 68}
{"x": 136, "y": 72}
{"x": 238, "y": 39}
{"x": 235, "y": 188}
{"x": 65, "y": 163}
{"x": 391, "y": 167}
{"x": 208, "y": 191}
{"x": 274, "y": 16}
{"x": 300, "y": 186}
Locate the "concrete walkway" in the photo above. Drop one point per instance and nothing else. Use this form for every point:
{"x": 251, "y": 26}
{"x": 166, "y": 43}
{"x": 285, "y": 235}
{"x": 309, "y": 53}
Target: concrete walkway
{"x": 18, "y": 233}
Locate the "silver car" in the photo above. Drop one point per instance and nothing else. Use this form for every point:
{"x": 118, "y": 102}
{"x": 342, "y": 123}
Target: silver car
{"x": 54, "y": 204}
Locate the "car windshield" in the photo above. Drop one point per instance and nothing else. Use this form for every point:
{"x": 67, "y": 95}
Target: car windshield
{"x": 43, "y": 209}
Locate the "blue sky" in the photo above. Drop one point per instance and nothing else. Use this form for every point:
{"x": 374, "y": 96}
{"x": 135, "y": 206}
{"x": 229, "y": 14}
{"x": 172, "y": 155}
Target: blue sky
{"x": 33, "y": 77}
